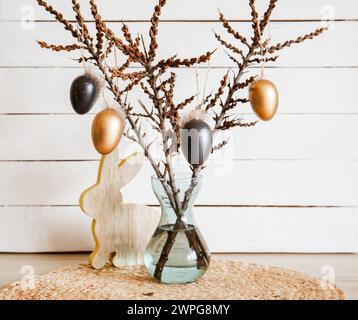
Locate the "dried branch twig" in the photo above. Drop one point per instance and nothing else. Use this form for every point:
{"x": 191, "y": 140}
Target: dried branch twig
{"x": 298, "y": 40}
{"x": 60, "y": 47}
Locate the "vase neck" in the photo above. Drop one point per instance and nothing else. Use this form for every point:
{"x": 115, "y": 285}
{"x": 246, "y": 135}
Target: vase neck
{"x": 170, "y": 216}
{"x": 177, "y": 207}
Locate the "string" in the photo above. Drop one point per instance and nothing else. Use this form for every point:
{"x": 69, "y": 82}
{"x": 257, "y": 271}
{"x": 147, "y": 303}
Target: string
{"x": 197, "y": 86}
{"x": 115, "y": 153}
{"x": 117, "y": 80}
{"x": 83, "y": 59}
{"x": 199, "y": 104}
{"x": 104, "y": 80}
{"x": 263, "y": 52}
{"x": 206, "y": 83}
{"x": 119, "y": 107}
{"x": 81, "y": 49}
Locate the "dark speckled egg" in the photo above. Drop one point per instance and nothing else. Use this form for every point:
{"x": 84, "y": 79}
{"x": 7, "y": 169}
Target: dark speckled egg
{"x": 84, "y": 92}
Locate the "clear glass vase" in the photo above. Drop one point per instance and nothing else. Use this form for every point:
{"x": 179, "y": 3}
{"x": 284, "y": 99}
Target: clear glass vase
{"x": 177, "y": 252}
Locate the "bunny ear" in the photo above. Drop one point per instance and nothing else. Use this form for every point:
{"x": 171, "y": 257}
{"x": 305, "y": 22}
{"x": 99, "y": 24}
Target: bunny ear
{"x": 129, "y": 168}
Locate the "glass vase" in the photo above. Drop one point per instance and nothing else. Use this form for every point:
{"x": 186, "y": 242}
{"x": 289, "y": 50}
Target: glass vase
{"x": 177, "y": 252}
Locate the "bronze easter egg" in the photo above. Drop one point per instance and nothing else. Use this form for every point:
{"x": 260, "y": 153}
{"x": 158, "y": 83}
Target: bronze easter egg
{"x": 264, "y": 98}
{"x": 107, "y": 130}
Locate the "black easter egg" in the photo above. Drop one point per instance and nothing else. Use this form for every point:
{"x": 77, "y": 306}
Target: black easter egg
{"x": 196, "y": 141}
{"x": 83, "y": 94}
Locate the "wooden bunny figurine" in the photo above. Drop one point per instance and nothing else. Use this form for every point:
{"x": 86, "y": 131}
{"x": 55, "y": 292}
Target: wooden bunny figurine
{"x": 121, "y": 231}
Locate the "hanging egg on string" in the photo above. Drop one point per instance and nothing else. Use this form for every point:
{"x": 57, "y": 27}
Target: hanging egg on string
{"x": 84, "y": 92}
{"x": 264, "y": 98}
{"x": 107, "y": 130}
{"x": 196, "y": 141}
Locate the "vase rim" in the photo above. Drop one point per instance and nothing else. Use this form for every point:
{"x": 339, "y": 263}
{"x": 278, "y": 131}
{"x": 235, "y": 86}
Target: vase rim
{"x": 182, "y": 176}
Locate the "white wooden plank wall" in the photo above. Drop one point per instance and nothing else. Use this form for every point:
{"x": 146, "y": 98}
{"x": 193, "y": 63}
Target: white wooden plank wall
{"x": 290, "y": 185}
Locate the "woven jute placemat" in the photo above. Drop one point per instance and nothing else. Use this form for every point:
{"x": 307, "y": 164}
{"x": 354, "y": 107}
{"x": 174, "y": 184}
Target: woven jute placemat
{"x": 223, "y": 280}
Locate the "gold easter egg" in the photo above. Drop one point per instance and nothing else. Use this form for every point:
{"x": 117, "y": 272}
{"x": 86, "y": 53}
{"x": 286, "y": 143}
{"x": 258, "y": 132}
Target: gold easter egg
{"x": 264, "y": 98}
{"x": 107, "y": 130}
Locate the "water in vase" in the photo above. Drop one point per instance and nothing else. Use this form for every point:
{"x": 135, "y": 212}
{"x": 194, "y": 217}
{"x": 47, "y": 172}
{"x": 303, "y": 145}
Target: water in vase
{"x": 182, "y": 264}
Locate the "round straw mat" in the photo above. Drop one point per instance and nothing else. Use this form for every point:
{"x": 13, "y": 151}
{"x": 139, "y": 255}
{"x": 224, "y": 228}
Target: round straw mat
{"x": 223, "y": 280}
